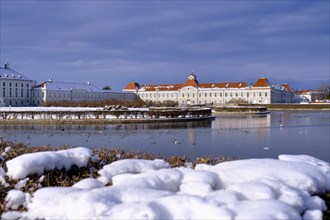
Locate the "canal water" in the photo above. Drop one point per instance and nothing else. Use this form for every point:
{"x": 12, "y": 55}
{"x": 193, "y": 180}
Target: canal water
{"x": 229, "y": 135}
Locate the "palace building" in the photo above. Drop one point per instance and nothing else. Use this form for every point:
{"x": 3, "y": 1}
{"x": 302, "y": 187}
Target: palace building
{"x": 192, "y": 92}
{"x": 15, "y": 89}
{"x": 18, "y": 90}
{"x": 66, "y": 91}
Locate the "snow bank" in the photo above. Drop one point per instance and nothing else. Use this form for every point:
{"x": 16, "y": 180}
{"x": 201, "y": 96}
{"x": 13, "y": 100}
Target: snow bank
{"x": 130, "y": 166}
{"x": 35, "y": 163}
{"x": 141, "y": 189}
{"x": 297, "y": 174}
{"x": 16, "y": 198}
{"x": 2, "y": 178}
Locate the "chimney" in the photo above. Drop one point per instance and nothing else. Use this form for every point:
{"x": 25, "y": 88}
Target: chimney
{"x": 6, "y": 65}
{"x": 50, "y": 80}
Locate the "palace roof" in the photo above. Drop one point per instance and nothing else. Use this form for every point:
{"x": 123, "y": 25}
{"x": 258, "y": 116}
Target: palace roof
{"x": 262, "y": 82}
{"x": 68, "y": 86}
{"x": 7, "y": 73}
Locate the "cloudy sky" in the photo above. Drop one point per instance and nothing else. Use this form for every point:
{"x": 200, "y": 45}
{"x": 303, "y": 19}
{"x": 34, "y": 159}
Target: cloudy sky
{"x": 116, "y": 42}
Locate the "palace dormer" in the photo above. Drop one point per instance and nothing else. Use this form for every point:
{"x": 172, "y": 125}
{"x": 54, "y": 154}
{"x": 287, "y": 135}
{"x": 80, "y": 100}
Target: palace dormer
{"x": 192, "y": 80}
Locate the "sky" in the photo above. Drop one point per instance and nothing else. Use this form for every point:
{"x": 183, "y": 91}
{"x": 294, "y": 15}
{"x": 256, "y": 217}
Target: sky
{"x": 116, "y": 42}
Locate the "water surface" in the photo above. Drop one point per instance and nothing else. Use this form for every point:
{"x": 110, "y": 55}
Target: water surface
{"x": 235, "y": 135}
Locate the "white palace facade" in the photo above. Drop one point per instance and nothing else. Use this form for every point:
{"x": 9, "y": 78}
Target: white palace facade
{"x": 18, "y": 90}
{"x": 194, "y": 93}
{"x": 15, "y": 89}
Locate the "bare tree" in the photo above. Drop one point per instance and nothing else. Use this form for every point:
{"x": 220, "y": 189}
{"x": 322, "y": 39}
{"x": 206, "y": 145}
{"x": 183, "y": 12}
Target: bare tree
{"x": 323, "y": 91}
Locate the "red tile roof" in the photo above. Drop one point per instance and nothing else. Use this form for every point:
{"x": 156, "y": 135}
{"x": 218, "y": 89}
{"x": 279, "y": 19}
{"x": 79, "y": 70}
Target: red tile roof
{"x": 287, "y": 87}
{"x": 132, "y": 86}
{"x": 175, "y": 87}
{"x": 191, "y": 82}
{"x": 223, "y": 85}
{"x": 162, "y": 87}
{"x": 262, "y": 82}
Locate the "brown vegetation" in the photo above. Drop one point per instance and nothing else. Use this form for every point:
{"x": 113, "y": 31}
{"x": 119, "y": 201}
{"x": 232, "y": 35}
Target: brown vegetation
{"x": 137, "y": 103}
{"x": 69, "y": 177}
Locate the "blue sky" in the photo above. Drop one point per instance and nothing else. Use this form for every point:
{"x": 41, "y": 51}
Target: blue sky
{"x": 116, "y": 42}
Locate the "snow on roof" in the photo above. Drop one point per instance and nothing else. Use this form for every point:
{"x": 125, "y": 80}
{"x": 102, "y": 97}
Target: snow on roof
{"x": 68, "y": 86}
{"x": 224, "y": 85}
{"x": 281, "y": 188}
{"x": 7, "y": 73}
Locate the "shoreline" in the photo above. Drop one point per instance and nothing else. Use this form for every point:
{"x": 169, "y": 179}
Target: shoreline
{"x": 105, "y": 121}
{"x": 291, "y": 107}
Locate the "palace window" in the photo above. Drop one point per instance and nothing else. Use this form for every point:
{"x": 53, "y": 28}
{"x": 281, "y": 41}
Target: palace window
{"x": 4, "y": 83}
{"x": 265, "y": 93}
{"x": 22, "y": 85}
{"x": 226, "y": 94}
{"x": 215, "y": 94}
{"x": 210, "y": 94}
{"x": 231, "y": 94}
{"x": 242, "y": 94}
{"x": 220, "y": 94}
{"x": 4, "y": 92}
{"x": 247, "y": 94}
{"x": 10, "y": 92}
{"x": 236, "y": 94}
{"x": 205, "y": 94}
{"x": 259, "y": 94}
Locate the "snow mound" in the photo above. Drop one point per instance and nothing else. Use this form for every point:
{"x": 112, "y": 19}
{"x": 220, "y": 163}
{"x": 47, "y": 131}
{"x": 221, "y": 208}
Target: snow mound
{"x": 294, "y": 173}
{"x": 130, "y": 166}
{"x": 35, "y": 163}
{"x": 143, "y": 189}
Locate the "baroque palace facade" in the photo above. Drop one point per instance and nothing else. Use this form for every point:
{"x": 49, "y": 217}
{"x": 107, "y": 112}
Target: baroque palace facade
{"x": 194, "y": 93}
{"x": 18, "y": 90}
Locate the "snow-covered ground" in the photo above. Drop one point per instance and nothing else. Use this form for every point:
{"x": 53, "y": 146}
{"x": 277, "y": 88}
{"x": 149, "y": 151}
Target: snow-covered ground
{"x": 18, "y": 112}
{"x": 280, "y": 188}
{"x": 38, "y": 109}
{"x": 67, "y": 109}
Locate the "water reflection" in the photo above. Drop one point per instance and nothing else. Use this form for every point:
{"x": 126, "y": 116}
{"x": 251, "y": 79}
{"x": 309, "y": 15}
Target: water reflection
{"x": 124, "y": 127}
{"x": 241, "y": 121}
{"x": 239, "y": 135}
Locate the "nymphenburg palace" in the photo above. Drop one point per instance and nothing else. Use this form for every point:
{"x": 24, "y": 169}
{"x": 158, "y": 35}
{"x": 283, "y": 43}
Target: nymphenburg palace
{"x": 194, "y": 93}
{"x": 18, "y": 90}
